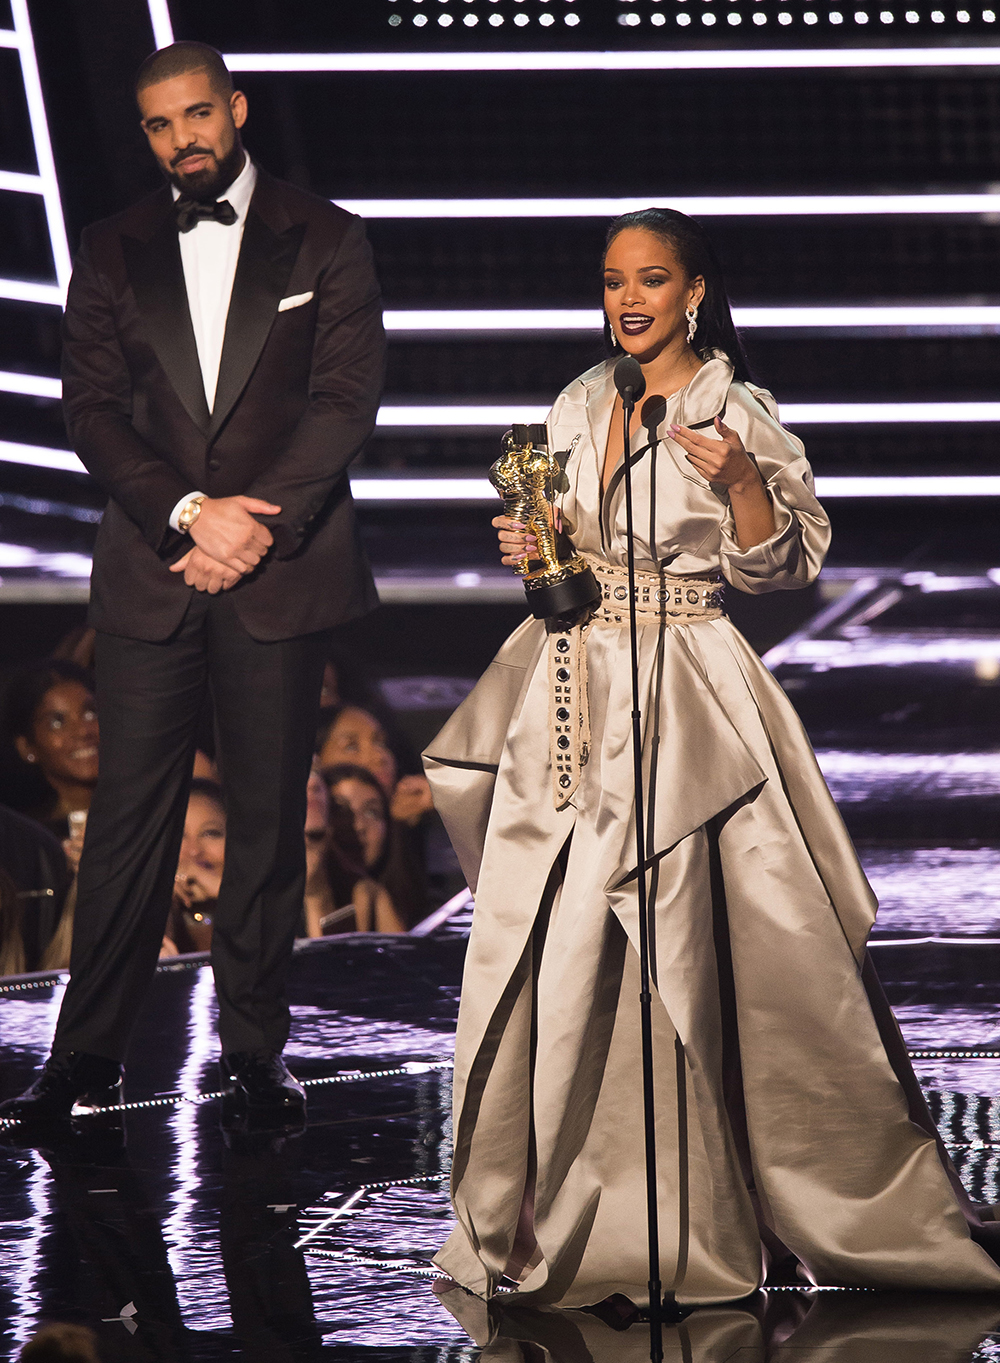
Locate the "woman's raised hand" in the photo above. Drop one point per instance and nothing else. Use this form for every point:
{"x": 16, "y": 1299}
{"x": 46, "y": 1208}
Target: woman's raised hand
{"x": 514, "y": 543}
{"x": 411, "y": 799}
{"x": 722, "y": 461}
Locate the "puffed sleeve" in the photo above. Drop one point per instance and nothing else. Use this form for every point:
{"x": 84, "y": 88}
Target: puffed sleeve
{"x": 794, "y": 554}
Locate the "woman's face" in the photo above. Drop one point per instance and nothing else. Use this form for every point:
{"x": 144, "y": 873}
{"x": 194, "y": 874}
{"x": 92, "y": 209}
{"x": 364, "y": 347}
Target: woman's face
{"x": 367, "y": 811}
{"x": 64, "y": 736}
{"x": 203, "y": 851}
{"x": 646, "y": 293}
{"x": 358, "y": 738}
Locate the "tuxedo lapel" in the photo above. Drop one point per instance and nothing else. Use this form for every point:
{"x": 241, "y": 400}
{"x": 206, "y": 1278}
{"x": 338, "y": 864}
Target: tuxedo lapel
{"x": 157, "y": 278}
{"x": 267, "y": 258}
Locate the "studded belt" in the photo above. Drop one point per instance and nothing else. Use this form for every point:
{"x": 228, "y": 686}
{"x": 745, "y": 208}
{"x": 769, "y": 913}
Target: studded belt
{"x": 660, "y": 599}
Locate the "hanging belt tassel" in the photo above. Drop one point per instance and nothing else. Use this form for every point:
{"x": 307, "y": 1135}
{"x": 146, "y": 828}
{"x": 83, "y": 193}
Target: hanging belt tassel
{"x": 569, "y": 715}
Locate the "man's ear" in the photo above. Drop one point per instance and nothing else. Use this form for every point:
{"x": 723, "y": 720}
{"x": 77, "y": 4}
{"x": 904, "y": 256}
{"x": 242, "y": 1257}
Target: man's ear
{"x": 24, "y": 749}
{"x": 239, "y": 108}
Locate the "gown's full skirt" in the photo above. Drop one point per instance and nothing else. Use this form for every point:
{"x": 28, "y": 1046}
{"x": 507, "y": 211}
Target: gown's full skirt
{"x": 786, "y": 1111}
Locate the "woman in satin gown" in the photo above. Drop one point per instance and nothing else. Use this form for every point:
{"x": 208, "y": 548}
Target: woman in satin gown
{"x": 789, "y": 1125}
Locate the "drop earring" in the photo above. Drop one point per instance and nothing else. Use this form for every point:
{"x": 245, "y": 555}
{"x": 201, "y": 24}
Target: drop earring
{"x": 691, "y": 314}
{"x": 614, "y": 338}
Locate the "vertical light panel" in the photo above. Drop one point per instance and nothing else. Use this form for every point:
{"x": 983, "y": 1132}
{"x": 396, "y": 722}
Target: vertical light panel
{"x": 159, "y": 17}
{"x": 43, "y": 144}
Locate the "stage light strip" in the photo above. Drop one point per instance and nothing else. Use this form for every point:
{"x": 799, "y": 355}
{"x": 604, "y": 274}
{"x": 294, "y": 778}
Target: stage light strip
{"x": 498, "y": 320}
{"x": 490, "y": 416}
{"x": 458, "y": 489}
{"x": 43, "y": 146}
{"x": 431, "y": 416}
{"x": 887, "y": 413}
{"x": 17, "y": 182}
{"x": 159, "y": 17}
{"x": 704, "y": 206}
{"x": 26, "y": 291}
{"x": 864, "y": 315}
{"x": 31, "y": 385}
{"x": 733, "y": 59}
{"x": 38, "y": 457}
{"x": 830, "y": 487}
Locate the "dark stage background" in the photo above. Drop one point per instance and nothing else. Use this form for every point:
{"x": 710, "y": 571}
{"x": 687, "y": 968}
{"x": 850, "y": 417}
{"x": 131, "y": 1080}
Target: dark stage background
{"x": 657, "y": 135}
{"x": 846, "y": 159}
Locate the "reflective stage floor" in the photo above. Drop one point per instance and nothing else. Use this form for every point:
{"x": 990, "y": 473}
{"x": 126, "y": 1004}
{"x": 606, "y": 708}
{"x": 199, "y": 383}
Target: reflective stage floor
{"x": 185, "y": 1244}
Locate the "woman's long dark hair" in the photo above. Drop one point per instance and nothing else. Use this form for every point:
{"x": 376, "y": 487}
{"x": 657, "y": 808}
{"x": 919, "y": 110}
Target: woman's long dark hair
{"x": 693, "y": 248}
{"x": 399, "y": 867}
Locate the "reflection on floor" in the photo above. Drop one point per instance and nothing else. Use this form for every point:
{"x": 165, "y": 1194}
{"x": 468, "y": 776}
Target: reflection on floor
{"x": 185, "y": 1244}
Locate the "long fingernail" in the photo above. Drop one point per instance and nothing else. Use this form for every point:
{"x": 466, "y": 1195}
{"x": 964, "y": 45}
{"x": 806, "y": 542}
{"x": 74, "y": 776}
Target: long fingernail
{"x": 674, "y": 428}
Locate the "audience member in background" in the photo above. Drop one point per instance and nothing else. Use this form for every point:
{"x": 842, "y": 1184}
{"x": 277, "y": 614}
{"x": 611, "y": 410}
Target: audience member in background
{"x": 355, "y": 735}
{"x": 388, "y": 858}
{"x": 341, "y": 895}
{"x": 36, "y": 907}
{"x": 52, "y": 722}
{"x": 319, "y": 904}
{"x": 358, "y": 738}
{"x": 77, "y": 646}
{"x": 205, "y": 769}
{"x": 347, "y": 681}
{"x": 61, "y": 1344}
{"x": 199, "y": 871}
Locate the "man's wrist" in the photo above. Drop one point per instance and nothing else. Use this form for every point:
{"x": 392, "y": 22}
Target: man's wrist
{"x": 186, "y": 512}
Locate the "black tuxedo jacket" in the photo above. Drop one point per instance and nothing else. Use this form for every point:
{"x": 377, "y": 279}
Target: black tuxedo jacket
{"x": 297, "y": 397}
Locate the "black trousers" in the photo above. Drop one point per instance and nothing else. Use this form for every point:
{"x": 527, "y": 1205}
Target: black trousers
{"x": 150, "y": 698}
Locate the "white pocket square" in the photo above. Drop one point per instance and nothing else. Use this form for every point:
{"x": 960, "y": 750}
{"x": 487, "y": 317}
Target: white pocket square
{"x": 295, "y": 300}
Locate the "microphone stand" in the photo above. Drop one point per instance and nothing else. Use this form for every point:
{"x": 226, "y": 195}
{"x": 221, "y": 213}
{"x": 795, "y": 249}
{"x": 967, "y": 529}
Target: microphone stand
{"x": 629, "y": 396}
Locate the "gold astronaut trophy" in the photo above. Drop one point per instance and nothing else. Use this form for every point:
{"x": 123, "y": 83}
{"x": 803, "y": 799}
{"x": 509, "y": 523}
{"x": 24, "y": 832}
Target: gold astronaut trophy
{"x": 528, "y": 477}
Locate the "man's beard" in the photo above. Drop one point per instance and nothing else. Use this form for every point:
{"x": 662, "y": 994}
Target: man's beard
{"x": 209, "y": 183}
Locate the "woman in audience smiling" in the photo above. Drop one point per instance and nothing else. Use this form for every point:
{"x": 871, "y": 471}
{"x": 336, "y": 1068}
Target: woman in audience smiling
{"x": 52, "y": 722}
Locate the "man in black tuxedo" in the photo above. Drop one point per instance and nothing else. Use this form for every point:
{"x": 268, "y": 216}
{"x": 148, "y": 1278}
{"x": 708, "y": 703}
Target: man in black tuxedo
{"x": 223, "y": 360}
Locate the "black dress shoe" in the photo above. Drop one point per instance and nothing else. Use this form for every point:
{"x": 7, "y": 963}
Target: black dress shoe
{"x": 259, "y": 1084}
{"x": 71, "y": 1084}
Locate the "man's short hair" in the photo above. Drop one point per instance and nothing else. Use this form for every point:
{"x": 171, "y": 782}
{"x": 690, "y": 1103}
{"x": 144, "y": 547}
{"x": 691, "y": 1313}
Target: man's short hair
{"x": 180, "y": 58}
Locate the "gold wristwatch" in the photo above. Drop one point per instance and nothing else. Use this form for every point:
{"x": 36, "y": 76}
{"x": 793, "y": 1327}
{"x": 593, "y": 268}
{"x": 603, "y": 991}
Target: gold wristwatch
{"x": 190, "y": 512}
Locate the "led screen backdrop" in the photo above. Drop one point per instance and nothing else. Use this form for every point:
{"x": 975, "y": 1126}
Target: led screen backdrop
{"x": 845, "y": 166}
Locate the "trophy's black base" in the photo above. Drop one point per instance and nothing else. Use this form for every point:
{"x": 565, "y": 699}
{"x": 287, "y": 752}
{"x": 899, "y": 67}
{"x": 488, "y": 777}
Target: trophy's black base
{"x": 563, "y": 598}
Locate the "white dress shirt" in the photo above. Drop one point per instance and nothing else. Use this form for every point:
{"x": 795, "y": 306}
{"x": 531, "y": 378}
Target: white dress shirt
{"x": 209, "y": 255}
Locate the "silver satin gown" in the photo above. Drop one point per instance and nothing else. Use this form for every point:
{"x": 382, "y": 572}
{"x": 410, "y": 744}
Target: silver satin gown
{"x": 803, "y": 1122}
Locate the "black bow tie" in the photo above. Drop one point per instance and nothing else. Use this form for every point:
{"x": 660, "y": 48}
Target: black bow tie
{"x": 190, "y": 212}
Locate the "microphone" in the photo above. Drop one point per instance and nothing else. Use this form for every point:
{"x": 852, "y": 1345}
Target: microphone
{"x": 629, "y": 381}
